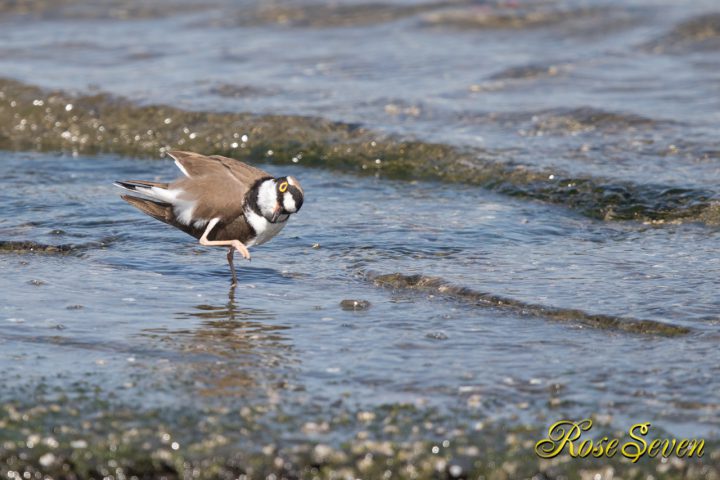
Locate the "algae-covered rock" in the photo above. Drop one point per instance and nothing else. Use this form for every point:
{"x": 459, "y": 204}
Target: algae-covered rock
{"x": 35, "y": 119}
{"x": 439, "y": 287}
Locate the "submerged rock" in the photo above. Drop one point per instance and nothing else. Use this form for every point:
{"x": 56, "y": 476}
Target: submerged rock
{"x": 29, "y": 246}
{"x": 34, "y": 247}
{"x": 354, "y": 305}
{"x": 437, "y": 286}
{"x": 698, "y": 33}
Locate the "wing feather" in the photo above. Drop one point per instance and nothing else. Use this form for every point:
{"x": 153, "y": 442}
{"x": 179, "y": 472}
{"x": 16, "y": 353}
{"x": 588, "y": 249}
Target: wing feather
{"x": 242, "y": 171}
{"x": 216, "y": 184}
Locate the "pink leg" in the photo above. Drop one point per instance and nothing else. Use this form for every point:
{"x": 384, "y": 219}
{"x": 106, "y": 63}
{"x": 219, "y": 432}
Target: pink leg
{"x": 239, "y": 246}
{"x": 233, "y": 244}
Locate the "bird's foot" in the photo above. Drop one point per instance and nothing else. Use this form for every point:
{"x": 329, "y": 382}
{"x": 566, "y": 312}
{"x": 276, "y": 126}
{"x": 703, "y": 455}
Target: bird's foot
{"x": 242, "y": 249}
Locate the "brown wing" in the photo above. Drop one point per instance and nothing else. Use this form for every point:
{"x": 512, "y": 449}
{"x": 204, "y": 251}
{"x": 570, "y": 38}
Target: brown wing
{"x": 196, "y": 165}
{"x": 217, "y": 184}
{"x": 241, "y": 170}
{"x": 236, "y": 229}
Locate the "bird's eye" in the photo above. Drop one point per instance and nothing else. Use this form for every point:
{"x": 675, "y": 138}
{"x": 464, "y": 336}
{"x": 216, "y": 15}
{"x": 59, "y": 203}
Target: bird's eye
{"x": 283, "y": 187}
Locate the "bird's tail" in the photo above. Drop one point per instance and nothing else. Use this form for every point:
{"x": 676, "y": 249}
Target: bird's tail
{"x": 154, "y": 190}
{"x": 159, "y": 210}
{"x": 158, "y": 203}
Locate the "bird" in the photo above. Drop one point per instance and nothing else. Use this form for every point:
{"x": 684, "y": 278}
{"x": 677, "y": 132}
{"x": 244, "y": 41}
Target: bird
{"x": 220, "y": 201}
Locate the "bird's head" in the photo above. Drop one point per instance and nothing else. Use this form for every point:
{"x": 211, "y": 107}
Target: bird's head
{"x": 279, "y": 197}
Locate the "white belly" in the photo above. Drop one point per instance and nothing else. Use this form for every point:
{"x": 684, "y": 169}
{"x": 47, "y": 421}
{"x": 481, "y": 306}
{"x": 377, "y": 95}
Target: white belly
{"x": 264, "y": 229}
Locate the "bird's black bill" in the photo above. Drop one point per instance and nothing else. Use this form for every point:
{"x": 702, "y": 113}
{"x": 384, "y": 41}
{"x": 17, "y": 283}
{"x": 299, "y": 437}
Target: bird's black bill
{"x": 276, "y": 214}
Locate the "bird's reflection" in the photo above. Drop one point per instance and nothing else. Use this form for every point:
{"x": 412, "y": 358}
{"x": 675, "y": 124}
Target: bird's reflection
{"x": 234, "y": 350}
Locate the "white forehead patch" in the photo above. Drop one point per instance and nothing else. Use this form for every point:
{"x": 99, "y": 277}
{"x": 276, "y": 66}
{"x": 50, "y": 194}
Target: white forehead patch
{"x": 289, "y": 202}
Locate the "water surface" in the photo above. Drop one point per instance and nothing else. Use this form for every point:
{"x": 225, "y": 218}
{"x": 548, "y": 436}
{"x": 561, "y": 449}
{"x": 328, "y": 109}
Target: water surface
{"x": 135, "y": 302}
{"x": 524, "y": 192}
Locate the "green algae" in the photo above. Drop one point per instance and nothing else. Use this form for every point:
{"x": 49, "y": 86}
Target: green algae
{"x": 439, "y": 287}
{"x": 29, "y": 246}
{"x": 34, "y": 247}
{"x": 34, "y": 119}
{"x": 93, "y": 439}
{"x": 332, "y": 15}
{"x": 529, "y": 15}
{"x": 697, "y": 33}
{"x": 75, "y": 9}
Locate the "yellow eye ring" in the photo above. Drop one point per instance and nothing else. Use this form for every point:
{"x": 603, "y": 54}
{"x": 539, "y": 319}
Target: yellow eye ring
{"x": 283, "y": 187}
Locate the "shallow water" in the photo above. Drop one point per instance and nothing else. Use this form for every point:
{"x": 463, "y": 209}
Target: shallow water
{"x": 502, "y": 292}
{"x": 144, "y": 311}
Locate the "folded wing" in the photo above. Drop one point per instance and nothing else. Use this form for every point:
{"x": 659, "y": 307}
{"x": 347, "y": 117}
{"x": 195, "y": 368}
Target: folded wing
{"x": 216, "y": 186}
